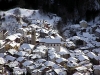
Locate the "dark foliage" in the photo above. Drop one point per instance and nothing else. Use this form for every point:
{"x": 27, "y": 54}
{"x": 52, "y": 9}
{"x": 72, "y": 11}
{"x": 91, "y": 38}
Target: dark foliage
{"x": 69, "y": 10}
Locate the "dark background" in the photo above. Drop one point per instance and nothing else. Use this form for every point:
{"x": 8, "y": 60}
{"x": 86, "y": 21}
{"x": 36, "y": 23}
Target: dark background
{"x": 69, "y": 10}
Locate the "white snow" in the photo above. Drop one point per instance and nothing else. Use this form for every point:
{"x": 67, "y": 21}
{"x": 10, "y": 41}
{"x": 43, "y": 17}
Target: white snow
{"x": 54, "y": 55}
{"x": 32, "y": 15}
{"x": 26, "y": 46}
{"x": 72, "y": 63}
{"x": 38, "y": 20}
{"x": 2, "y": 42}
{"x": 50, "y": 40}
{"x": 72, "y": 59}
{"x": 20, "y": 59}
{"x": 37, "y": 16}
{"x": 97, "y": 30}
{"x": 21, "y": 53}
{"x": 2, "y": 54}
{"x": 27, "y": 63}
{"x": 13, "y": 44}
{"x": 11, "y": 58}
{"x": 83, "y": 57}
{"x": 49, "y": 63}
{"x": 34, "y": 56}
{"x": 91, "y": 55}
{"x": 11, "y": 37}
{"x": 31, "y": 67}
{"x": 86, "y": 34}
{"x": 2, "y": 60}
{"x": 75, "y": 38}
{"x": 96, "y": 67}
{"x": 59, "y": 60}
{"x": 13, "y": 64}
{"x": 12, "y": 51}
{"x": 81, "y": 68}
{"x": 40, "y": 60}
{"x": 77, "y": 73}
{"x": 60, "y": 72}
{"x": 63, "y": 51}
